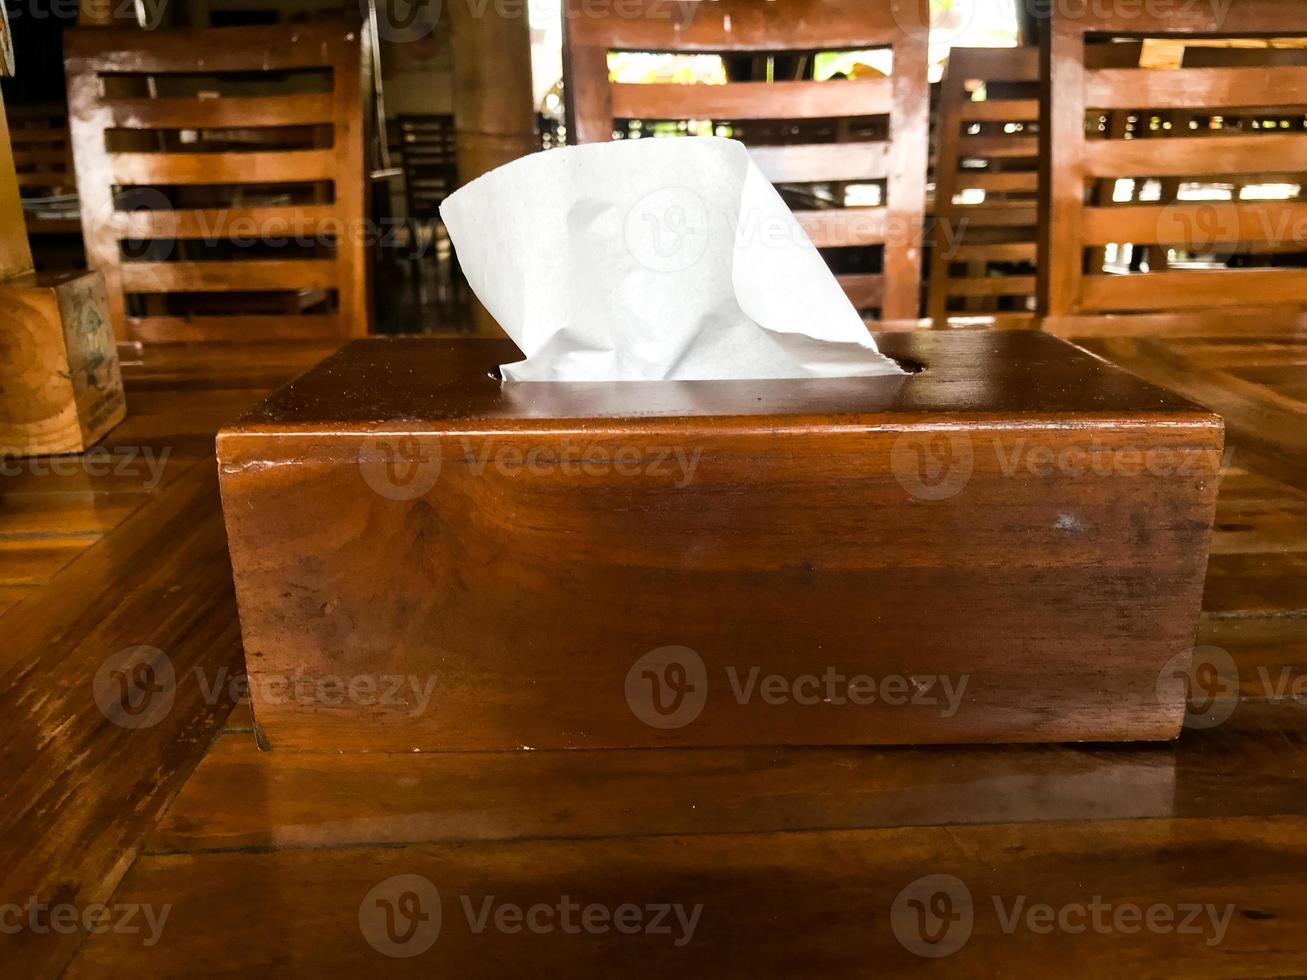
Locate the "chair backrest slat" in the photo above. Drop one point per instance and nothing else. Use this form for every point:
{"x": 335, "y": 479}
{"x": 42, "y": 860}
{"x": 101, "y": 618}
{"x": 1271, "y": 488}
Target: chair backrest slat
{"x": 215, "y": 209}
{"x": 749, "y": 100}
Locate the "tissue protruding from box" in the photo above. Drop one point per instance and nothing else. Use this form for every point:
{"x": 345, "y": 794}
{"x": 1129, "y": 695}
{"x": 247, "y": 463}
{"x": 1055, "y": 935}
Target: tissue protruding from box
{"x": 651, "y": 260}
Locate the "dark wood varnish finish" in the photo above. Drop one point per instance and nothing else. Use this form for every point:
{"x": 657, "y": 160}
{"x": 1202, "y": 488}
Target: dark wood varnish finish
{"x": 517, "y": 554}
{"x": 797, "y": 855}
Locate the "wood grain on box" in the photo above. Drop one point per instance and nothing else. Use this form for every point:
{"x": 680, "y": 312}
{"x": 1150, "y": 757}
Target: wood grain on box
{"x": 1008, "y": 545}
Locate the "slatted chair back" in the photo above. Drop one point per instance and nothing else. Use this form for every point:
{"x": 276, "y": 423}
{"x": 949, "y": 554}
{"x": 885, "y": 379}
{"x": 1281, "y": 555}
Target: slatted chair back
{"x": 986, "y": 186}
{"x": 1217, "y": 258}
{"x": 426, "y": 145}
{"x": 895, "y": 160}
{"x": 43, "y": 155}
{"x": 985, "y": 231}
{"x": 221, "y": 172}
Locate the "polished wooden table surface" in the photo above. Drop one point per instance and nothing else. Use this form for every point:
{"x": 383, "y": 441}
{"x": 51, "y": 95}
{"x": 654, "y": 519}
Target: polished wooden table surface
{"x": 174, "y": 847}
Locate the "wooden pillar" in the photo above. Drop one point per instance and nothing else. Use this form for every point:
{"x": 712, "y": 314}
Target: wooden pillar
{"x": 494, "y": 114}
{"x": 15, "y": 253}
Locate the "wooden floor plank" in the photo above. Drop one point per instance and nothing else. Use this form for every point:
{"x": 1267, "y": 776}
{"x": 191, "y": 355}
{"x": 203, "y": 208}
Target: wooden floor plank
{"x": 81, "y": 790}
{"x": 805, "y": 904}
{"x": 12, "y": 595}
{"x": 24, "y": 516}
{"x": 291, "y": 799}
{"x": 1256, "y": 584}
{"x": 194, "y": 367}
{"x": 241, "y": 718}
{"x": 263, "y": 860}
{"x": 1255, "y": 514}
{"x": 34, "y": 561}
{"x": 118, "y": 547}
{"x": 1265, "y": 426}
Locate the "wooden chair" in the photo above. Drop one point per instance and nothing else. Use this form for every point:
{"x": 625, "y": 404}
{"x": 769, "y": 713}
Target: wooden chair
{"x": 986, "y": 183}
{"x": 984, "y": 238}
{"x": 43, "y": 161}
{"x": 427, "y": 154}
{"x": 897, "y": 160}
{"x": 215, "y": 209}
{"x": 426, "y": 144}
{"x": 43, "y": 155}
{"x": 1256, "y": 286}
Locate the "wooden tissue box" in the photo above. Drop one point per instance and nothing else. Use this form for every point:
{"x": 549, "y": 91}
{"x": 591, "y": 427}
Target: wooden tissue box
{"x": 1008, "y": 545}
{"x": 60, "y": 387}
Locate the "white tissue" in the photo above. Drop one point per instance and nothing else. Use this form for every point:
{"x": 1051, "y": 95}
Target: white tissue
{"x": 653, "y": 259}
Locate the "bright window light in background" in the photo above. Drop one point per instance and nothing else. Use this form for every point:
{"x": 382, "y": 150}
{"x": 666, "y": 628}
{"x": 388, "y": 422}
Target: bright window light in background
{"x": 877, "y": 63}
{"x": 969, "y": 24}
{"x": 1270, "y": 192}
{"x": 954, "y": 23}
{"x": 642, "y": 67}
{"x": 1193, "y": 191}
{"x": 546, "y": 20}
